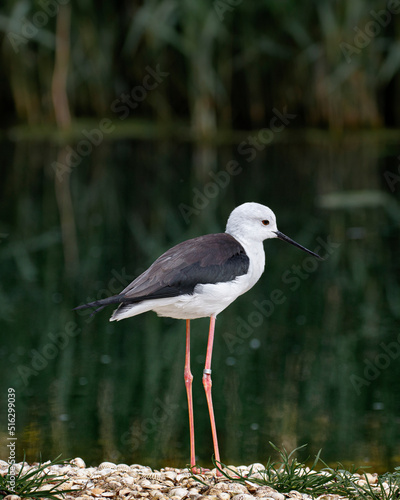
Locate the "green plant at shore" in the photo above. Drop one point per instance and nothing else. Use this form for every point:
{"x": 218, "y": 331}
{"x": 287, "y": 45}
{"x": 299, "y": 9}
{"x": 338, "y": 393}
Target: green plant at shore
{"x": 353, "y": 488}
{"x": 36, "y": 483}
{"x": 289, "y": 474}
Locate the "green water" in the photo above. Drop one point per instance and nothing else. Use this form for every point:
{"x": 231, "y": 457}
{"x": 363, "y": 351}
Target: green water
{"x": 309, "y": 355}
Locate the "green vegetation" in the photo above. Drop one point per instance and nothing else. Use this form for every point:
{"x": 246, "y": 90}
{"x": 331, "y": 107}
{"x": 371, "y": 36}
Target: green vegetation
{"x": 36, "y": 483}
{"x": 229, "y": 63}
{"x": 289, "y": 474}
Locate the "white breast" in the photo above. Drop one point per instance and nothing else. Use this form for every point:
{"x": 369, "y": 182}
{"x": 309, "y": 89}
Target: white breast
{"x": 256, "y": 254}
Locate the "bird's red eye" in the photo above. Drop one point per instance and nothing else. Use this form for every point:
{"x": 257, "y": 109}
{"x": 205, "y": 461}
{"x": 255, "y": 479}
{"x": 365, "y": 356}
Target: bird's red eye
{"x": 265, "y": 222}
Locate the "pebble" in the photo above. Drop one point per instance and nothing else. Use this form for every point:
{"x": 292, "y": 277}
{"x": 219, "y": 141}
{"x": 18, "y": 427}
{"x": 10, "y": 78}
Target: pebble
{"x": 265, "y": 491}
{"x": 78, "y": 462}
{"x": 107, "y": 465}
{"x": 171, "y": 475}
{"x": 96, "y": 491}
{"x": 123, "y": 467}
{"x": 156, "y": 494}
{"x": 256, "y": 467}
{"x": 372, "y": 478}
{"x": 234, "y": 488}
{"x": 126, "y": 482}
{"x": 276, "y": 496}
{"x": 242, "y": 496}
{"x": 106, "y": 472}
{"x": 155, "y": 476}
{"x": 177, "y": 492}
{"x": 224, "y": 496}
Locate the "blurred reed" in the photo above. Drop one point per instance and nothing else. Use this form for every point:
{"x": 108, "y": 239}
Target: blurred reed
{"x": 229, "y": 66}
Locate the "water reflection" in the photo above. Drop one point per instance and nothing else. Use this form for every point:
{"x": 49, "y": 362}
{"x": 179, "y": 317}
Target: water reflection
{"x": 313, "y": 364}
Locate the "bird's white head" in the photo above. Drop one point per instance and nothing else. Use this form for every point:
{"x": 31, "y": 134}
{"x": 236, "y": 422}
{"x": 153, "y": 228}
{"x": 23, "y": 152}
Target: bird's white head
{"x": 253, "y": 223}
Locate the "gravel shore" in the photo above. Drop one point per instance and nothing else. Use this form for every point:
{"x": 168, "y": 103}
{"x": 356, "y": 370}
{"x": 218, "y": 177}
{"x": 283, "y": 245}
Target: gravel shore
{"x": 126, "y": 482}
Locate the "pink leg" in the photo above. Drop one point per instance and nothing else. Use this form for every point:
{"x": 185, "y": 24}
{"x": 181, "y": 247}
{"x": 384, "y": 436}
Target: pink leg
{"x": 207, "y": 386}
{"x": 188, "y": 383}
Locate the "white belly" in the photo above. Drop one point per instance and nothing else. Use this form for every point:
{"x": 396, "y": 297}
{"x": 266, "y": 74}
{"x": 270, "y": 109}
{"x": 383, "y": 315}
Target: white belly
{"x": 206, "y": 300}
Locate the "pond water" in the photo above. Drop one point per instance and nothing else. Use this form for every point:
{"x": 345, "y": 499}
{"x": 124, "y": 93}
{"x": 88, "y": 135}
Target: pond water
{"x": 309, "y": 355}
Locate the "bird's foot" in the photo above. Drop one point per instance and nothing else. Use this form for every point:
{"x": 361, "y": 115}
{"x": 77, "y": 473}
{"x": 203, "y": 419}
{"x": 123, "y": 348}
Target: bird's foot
{"x": 203, "y": 470}
{"x": 198, "y": 470}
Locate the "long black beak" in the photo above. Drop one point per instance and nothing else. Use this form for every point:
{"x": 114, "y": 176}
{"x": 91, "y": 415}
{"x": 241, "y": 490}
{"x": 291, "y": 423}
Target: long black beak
{"x": 283, "y": 237}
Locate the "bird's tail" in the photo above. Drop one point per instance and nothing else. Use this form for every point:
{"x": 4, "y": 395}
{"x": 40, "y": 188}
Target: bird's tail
{"x": 98, "y": 305}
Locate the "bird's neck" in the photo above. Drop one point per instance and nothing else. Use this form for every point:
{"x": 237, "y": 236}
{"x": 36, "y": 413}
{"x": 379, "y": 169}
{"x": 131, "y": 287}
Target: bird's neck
{"x": 254, "y": 250}
{"x": 256, "y": 254}
{"x": 246, "y": 240}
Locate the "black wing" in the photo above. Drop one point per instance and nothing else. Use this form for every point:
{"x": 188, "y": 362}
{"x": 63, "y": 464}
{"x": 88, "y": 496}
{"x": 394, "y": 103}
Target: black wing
{"x": 213, "y": 258}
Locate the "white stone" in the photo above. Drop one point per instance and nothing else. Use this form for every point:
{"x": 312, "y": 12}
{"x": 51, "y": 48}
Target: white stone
{"x": 107, "y": 465}
{"x": 123, "y": 467}
{"x": 170, "y": 475}
{"x": 276, "y": 496}
{"x": 243, "y": 496}
{"x": 223, "y": 496}
{"x": 257, "y": 466}
{"x": 78, "y": 462}
{"x": 178, "y": 492}
{"x": 128, "y": 480}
